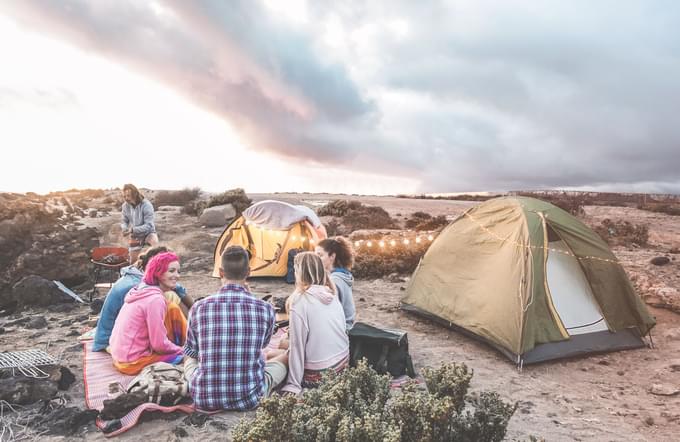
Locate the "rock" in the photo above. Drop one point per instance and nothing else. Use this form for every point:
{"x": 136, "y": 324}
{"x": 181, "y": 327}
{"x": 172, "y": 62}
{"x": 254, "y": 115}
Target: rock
{"x": 180, "y": 432}
{"x": 2, "y": 330}
{"x": 66, "y": 322}
{"x": 660, "y": 260}
{"x": 672, "y": 334}
{"x": 96, "y": 306}
{"x": 674, "y": 250}
{"x": 196, "y": 419}
{"x": 603, "y": 362}
{"x": 64, "y": 421}
{"x": 34, "y": 290}
{"x": 66, "y": 378}
{"x": 674, "y": 365}
{"x": 62, "y": 308}
{"x": 37, "y": 322}
{"x": 648, "y": 420}
{"x": 663, "y": 390}
{"x": 23, "y": 390}
{"x": 93, "y": 213}
{"x": 218, "y": 216}
{"x": 37, "y": 239}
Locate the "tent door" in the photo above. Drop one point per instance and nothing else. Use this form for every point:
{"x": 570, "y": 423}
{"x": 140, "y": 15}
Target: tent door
{"x": 571, "y": 293}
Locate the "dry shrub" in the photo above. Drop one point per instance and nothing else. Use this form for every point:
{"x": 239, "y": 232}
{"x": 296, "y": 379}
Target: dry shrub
{"x": 669, "y": 209}
{"x": 355, "y": 216}
{"x": 333, "y": 228}
{"x": 356, "y": 406}
{"x": 622, "y": 232}
{"x": 176, "y": 197}
{"x": 235, "y": 197}
{"x": 424, "y": 221}
{"x": 377, "y": 262}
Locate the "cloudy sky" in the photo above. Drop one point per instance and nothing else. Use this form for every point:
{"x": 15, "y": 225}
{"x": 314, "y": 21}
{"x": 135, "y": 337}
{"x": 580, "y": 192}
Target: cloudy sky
{"x": 355, "y": 97}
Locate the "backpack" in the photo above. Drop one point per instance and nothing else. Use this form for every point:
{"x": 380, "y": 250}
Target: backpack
{"x": 290, "y": 273}
{"x": 163, "y": 383}
{"x": 386, "y": 350}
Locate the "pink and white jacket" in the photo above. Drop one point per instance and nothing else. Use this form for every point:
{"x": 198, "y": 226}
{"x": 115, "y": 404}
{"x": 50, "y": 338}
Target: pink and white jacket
{"x": 139, "y": 329}
{"x": 317, "y": 336}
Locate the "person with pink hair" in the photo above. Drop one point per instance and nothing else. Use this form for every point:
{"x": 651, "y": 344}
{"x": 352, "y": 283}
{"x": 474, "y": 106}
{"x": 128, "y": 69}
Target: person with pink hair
{"x": 150, "y": 328}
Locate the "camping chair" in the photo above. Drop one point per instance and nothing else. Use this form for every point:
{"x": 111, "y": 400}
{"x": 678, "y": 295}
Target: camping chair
{"x": 107, "y": 260}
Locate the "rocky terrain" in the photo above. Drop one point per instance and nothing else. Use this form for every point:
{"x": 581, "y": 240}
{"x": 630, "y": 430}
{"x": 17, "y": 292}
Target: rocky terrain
{"x": 631, "y": 395}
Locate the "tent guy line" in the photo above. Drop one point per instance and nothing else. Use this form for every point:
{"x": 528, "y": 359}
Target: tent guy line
{"x": 525, "y": 246}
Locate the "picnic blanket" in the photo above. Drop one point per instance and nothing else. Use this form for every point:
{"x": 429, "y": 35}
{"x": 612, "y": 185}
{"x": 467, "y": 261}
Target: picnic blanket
{"x": 98, "y": 373}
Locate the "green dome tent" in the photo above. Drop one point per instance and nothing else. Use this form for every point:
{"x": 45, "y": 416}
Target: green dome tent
{"x": 531, "y": 280}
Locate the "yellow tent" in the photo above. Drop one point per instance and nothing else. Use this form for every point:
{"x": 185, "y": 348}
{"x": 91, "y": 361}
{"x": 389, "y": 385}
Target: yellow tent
{"x": 269, "y": 230}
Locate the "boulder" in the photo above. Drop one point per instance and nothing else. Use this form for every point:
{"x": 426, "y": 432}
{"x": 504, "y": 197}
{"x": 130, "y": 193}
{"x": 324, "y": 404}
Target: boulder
{"x": 36, "y": 238}
{"x": 660, "y": 260}
{"x": 35, "y": 290}
{"x": 218, "y": 216}
{"x": 22, "y": 390}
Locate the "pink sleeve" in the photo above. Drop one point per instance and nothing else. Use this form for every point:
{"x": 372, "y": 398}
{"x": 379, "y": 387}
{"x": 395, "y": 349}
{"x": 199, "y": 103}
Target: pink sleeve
{"x": 158, "y": 335}
{"x": 297, "y": 335}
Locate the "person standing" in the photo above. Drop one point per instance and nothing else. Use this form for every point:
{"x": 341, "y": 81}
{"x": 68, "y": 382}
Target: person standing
{"x": 138, "y": 221}
{"x": 227, "y": 332}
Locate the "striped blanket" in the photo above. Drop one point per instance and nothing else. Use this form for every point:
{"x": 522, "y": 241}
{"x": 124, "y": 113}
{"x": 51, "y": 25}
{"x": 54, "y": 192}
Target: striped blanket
{"x": 98, "y": 373}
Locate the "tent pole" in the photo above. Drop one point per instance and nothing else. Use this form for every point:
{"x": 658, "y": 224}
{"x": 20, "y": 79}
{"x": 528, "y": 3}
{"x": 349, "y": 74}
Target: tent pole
{"x": 651, "y": 340}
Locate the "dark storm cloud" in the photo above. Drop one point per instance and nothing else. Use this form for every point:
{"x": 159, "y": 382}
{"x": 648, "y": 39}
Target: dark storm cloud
{"x": 490, "y": 95}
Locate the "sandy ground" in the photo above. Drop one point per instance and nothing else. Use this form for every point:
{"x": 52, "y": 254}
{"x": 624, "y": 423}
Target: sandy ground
{"x": 602, "y": 397}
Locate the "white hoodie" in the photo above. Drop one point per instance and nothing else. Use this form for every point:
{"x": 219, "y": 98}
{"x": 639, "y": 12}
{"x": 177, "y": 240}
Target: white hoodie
{"x": 317, "y": 336}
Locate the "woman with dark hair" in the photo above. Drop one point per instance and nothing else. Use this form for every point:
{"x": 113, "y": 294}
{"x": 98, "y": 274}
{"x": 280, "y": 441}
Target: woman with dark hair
{"x": 149, "y": 328}
{"x": 318, "y": 341}
{"x": 337, "y": 257}
{"x": 130, "y": 277}
{"x": 138, "y": 221}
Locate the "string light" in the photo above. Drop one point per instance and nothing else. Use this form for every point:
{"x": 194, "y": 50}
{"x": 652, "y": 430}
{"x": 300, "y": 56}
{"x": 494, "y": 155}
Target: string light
{"x": 406, "y": 242}
{"x": 357, "y": 243}
{"x": 430, "y": 237}
{"x": 381, "y": 243}
{"x": 418, "y": 240}
{"x": 293, "y": 237}
{"x": 369, "y": 244}
{"x": 393, "y": 243}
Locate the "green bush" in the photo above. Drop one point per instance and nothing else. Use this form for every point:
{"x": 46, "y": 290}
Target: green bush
{"x": 356, "y": 216}
{"x": 356, "y": 406}
{"x": 176, "y": 197}
{"x": 448, "y": 380}
{"x": 622, "y": 232}
{"x": 376, "y": 262}
{"x": 235, "y": 197}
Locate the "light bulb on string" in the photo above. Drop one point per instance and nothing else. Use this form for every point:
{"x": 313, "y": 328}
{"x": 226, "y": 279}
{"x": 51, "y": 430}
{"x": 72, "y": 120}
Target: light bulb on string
{"x": 430, "y": 237}
{"x": 369, "y": 244}
{"x": 357, "y": 243}
{"x": 418, "y": 240}
{"x": 393, "y": 243}
{"x": 381, "y": 243}
{"x": 406, "y": 242}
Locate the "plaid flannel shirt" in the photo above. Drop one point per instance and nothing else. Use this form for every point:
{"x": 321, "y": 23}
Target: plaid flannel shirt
{"x": 226, "y": 334}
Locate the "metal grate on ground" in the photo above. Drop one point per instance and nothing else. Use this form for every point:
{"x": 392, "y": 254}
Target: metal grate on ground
{"x": 26, "y": 362}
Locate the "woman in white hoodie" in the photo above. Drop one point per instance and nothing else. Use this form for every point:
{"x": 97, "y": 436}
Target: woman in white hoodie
{"x": 318, "y": 341}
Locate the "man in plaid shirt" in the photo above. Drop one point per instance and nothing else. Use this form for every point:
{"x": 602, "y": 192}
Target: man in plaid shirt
{"x": 226, "y": 334}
